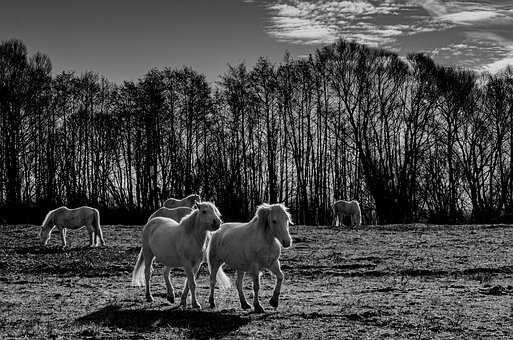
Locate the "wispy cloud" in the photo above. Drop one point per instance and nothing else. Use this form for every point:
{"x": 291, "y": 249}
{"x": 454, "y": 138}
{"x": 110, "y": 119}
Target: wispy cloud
{"x": 302, "y": 30}
{"x": 312, "y": 22}
{"x": 470, "y": 33}
{"x": 499, "y": 65}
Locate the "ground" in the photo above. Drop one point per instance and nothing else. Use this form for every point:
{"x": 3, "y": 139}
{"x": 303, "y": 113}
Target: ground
{"x": 398, "y": 281}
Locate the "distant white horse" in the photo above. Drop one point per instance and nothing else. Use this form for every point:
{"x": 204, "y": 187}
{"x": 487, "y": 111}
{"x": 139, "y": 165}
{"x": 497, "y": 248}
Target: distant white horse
{"x": 63, "y": 218}
{"x": 188, "y": 201}
{"x": 347, "y": 208}
{"x": 250, "y": 247}
{"x": 175, "y": 213}
{"x": 176, "y": 245}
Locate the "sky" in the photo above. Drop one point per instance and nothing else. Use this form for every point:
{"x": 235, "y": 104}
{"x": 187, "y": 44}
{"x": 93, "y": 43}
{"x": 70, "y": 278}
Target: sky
{"x": 124, "y": 39}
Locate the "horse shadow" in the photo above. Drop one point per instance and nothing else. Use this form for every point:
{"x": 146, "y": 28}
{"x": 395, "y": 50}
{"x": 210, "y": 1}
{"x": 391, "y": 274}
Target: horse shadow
{"x": 199, "y": 324}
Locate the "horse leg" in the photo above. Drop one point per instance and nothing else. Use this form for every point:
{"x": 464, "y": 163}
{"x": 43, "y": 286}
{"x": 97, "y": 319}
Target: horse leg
{"x": 195, "y": 273}
{"x": 256, "y": 287}
{"x": 148, "y": 270}
{"x": 99, "y": 234}
{"x": 276, "y": 270}
{"x": 214, "y": 267}
{"x": 63, "y": 237}
{"x": 170, "y": 291}
{"x": 243, "y": 303}
{"x": 92, "y": 239}
{"x": 190, "y": 284}
{"x": 195, "y": 270}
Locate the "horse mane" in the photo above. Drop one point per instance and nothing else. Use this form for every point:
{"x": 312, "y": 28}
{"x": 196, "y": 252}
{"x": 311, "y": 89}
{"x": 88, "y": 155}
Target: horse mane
{"x": 263, "y": 210}
{"x": 189, "y": 220}
{"x": 48, "y": 219}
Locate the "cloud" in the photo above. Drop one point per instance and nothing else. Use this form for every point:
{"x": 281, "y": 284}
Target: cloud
{"x": 464, "y": 32}
{"x": 298, "y": 30}
{"x": 501, "y": 50}
{"x": 313, "y": 22}
{"x": 499, "y": 65}
{"x": 466, "y": 13}
{"x": 470, "y": 17}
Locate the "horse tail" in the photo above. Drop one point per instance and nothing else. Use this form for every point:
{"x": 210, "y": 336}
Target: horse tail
{"x": 138, "y": 273}
{"x": 222, "y": 279}
{"x": 358, "y": 214}
{"x": 96, "y": 219}
{"x": 334, "y": 211}
{"x": 97, "y": 227}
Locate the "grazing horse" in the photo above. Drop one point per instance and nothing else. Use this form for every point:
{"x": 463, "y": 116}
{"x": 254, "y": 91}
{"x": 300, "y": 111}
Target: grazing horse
{"x": 176, "y": 245}
{"x": 176, "y": 213}
{"x": 250, "y": 247}
{"x": 188, "y": 201}
{"x": 347, "y": 208}
{"x": 63, "y": 218}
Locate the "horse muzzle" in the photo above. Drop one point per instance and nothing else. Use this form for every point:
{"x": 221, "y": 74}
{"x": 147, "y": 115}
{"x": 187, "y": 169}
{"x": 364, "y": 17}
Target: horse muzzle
{"x": 286, "y": 243}
{"x": 216, "y": 224}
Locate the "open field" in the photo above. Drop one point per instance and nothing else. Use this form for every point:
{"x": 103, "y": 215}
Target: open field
{"x": 399, "y": 281}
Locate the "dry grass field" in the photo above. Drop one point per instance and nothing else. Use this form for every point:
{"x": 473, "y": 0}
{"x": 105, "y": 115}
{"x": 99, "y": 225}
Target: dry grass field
{"x": 396, "y": 281}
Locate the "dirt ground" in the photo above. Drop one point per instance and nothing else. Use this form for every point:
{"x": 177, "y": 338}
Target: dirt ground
{"x": 397, "y": 281}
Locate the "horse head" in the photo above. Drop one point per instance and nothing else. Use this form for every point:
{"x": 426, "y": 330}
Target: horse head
{"x": 46, "y": 228}
{"x": 208, "y": 215}
{"x": 193, "y": 199}
{"x": 277, "y": 220}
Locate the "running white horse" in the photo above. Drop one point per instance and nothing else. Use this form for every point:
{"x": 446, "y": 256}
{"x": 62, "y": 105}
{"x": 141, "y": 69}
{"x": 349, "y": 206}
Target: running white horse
{"x": 176, "y": 245}
{"x": 347, "y": 208}
{"x": 250, "y": 247}
{"x": 63, "y": 218}
{"x": 175, "y": 213}
{"x": 188, "y": 201}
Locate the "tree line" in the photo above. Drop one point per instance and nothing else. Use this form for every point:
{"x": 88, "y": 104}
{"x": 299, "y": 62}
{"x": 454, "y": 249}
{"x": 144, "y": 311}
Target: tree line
{"x": 410, "y": 139}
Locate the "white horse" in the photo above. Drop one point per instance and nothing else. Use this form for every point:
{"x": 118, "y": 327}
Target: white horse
{"x": 188, "y": 201}
{"x": 250, "y": 247}
{"x": 176, "y": 213}
{"x": 347, "y": 208}
{"x": 63, "y": 218}
{"x": 176, "y": 245}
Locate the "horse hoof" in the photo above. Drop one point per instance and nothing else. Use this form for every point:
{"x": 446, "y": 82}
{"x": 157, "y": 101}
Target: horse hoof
{"x": 170, "y": 298}
{"x": 150, "y": 298}
{"x": 273, "y": 303}
{"x": 196, "y": 306}
{"x": 259, "y": 309}
{"x": 245, "y": 306}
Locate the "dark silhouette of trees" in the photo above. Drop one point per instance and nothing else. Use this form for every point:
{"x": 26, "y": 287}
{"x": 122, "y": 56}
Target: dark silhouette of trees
{"x": 408, "y": 138}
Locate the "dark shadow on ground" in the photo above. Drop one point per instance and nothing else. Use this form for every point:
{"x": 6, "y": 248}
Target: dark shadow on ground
{"x": 198, "y": 324}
